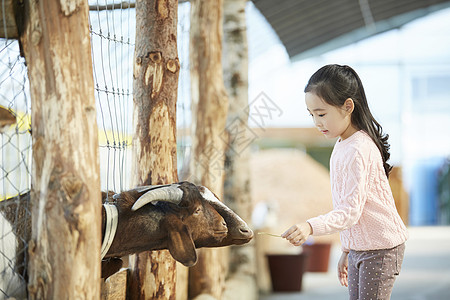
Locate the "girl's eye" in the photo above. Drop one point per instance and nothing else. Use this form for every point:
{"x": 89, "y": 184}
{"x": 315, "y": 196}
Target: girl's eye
{"x": 321, "y": 115}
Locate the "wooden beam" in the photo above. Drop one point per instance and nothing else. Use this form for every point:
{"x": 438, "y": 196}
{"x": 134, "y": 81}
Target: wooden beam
{"x": 115, "y": 287}
{"x": 241, "y": 277}
{"x": 122, "y": 5}
{"x": 64, "y": 250}
{"x": 156, "y": 71}
{"x": 209, "y": 107}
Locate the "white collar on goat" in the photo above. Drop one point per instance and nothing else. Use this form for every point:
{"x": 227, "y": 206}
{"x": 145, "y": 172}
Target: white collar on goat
{"x": 112, "y": 217}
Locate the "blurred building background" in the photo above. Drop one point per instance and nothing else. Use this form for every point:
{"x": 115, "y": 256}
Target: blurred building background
{"x": 406, "y": 75}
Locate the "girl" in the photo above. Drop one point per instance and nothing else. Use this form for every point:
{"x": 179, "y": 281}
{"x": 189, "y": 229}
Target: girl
{"x": 371, "y": 231}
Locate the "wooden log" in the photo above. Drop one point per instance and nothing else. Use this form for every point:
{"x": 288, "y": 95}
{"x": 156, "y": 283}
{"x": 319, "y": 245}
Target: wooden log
{"x": 210, "y": 106}
{"x": 156, "y": 70}
{"x": 182, "y": 282}
{"x": 64, "y": 249}
{"x": 241, "y": 277}
{"x": 115, "y": 286}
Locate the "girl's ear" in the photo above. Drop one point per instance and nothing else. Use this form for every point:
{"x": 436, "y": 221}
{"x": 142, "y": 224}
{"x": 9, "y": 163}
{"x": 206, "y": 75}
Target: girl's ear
{"x": 349, "y": 105}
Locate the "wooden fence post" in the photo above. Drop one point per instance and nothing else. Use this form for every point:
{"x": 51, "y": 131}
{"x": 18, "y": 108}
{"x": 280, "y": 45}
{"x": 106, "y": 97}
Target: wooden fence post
{"x": 65, "y": 245}
{"x": 156, "y": 70}
{"x": 241, "y": 283}
{"x": 208, "y": 143}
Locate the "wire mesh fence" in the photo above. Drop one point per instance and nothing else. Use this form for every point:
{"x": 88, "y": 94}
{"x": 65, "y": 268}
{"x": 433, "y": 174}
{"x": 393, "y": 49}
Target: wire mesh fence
{"x": 112, "y": 39}
{"x": 15, "y": 169}
{"x": 112, "y": 30}
{"x": 184, "y": 90}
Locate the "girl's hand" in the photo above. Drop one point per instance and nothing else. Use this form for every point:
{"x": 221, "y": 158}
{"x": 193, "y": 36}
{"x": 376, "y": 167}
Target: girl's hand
{"x": 298, "y": 233}
{"x": 343, "y": 269}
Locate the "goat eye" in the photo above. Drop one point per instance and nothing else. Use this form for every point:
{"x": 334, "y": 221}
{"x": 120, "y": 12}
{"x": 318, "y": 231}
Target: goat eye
{"x": 198, "y": 210}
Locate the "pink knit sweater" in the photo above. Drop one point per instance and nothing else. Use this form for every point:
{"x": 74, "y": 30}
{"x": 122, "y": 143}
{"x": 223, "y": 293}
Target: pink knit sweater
{"x": 363, "y": 206}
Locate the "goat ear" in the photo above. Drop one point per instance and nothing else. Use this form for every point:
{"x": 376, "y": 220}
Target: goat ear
{"x": 180, "y": 243}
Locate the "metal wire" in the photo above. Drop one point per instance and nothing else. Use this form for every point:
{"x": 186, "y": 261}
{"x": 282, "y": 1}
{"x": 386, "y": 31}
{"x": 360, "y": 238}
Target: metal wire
{"x": 15, "y": 167}
{"x": 112, "y": 32}
{"x": 112, "y": 40}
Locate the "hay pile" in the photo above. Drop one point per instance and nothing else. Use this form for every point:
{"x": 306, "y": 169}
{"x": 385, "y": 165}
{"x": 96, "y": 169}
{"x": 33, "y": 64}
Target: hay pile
{"x": 293, "y": 181}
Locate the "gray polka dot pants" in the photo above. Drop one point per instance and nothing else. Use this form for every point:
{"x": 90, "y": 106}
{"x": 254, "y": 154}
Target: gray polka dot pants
{"x": 371, "y": 274}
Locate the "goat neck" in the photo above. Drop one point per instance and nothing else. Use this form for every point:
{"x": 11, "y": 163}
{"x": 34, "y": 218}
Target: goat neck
{"x": 139, "y": 230}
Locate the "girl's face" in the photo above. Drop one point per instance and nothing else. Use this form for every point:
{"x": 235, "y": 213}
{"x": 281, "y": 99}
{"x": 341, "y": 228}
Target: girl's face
{"x": 332, "y": 121}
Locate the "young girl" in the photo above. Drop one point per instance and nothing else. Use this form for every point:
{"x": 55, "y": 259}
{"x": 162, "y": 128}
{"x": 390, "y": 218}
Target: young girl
{"x": 371, "y": 231}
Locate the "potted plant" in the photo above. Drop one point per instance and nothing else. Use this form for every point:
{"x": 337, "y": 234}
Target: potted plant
{"x": 286, "y": 271}
{"x": 318, "y": 256}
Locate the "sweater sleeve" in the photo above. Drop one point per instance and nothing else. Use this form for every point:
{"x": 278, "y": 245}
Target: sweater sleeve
{"x": 349, "y": 196}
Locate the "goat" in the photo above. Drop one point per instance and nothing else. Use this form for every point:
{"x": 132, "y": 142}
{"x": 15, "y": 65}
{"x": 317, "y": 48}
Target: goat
{"x": 172, "y": 217}
{"x": 238, "y": 231}
{"x": 178, "y": 217}
{"x": 183, "y": 194}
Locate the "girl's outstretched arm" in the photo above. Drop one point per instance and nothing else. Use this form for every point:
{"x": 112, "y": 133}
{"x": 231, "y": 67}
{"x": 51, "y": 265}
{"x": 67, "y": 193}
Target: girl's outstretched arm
{"x": 298, "y": 233}
{"x": 343, "y": 269}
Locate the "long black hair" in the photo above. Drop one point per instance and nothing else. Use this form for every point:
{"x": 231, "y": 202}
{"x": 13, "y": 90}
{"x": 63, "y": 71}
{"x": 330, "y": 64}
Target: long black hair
{"x": 335, "y": 84}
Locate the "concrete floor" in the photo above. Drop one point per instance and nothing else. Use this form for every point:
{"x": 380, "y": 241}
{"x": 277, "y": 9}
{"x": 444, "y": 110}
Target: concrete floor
{"x": 425, "y": 272}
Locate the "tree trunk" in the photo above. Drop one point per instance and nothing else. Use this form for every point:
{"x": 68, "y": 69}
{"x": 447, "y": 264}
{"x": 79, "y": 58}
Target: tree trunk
{"x": 208, "y": 91}
{"x": 156, "y": 70}
{"x": 65, "y": 245}
{"x": 241, "y": 276}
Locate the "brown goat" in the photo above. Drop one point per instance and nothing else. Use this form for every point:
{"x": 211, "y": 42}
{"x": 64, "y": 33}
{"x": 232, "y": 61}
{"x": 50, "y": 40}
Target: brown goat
{"x": 183, "y": 219}
{"x": 173, "y": 224}
{"x": 185, "y": 194}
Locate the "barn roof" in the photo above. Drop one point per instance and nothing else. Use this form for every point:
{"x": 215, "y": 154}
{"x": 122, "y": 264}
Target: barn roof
{"x": 313, "y": 27}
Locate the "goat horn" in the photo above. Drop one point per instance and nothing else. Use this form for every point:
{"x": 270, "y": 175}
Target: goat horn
{"x": 141, "y": 189}
{"x": 169, "y": 193}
